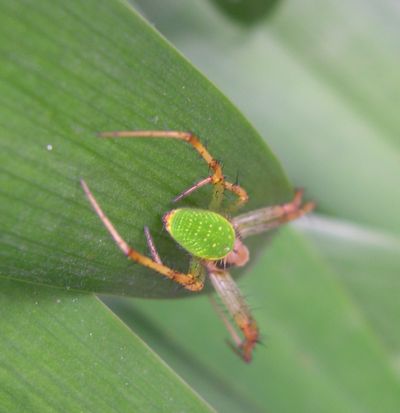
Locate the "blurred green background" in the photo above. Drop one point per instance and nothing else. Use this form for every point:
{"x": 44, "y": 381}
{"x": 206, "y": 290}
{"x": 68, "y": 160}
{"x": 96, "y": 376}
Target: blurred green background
{"x": 320, "y": 82}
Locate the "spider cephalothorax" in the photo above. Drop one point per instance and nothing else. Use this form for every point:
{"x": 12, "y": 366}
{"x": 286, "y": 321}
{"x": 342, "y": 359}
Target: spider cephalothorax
{"x": 214, "y": 242}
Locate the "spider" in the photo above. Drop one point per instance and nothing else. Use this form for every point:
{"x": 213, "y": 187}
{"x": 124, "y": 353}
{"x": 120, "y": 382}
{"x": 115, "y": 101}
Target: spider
{"x": 213, "y": 239}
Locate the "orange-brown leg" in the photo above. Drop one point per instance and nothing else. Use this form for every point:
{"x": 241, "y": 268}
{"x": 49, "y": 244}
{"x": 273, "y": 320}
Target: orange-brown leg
{"x": 217, "y": 178}
{"x": 239, "y": 311}
{"x": 192, "y": 281}
{"x": 265, "y": 219}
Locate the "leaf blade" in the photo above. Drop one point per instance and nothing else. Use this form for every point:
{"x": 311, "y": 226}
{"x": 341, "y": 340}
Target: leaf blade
{"x": 65, "y": 78}
{"x": 65, "y": 351}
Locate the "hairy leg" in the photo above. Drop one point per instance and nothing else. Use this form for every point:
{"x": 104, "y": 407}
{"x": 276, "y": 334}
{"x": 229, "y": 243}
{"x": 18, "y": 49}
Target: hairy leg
{"x": 237, "y": 307}
{"x": 265, "y": 219}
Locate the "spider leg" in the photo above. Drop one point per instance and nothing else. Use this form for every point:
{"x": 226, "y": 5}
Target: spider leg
{"x": 151, "y": 245}
{"x": 265, "y": 219}
{"x": 240, "y": 192}
{"x": 240, "y": 312}
{"x": 236, "y": 189}
{"x": 217, "y": 178}
{"x": 191, "y": 281}
{"x": 231, "y": 329}
{"x": 193, "y": 188}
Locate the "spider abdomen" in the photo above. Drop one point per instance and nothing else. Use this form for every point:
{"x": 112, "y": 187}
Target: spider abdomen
{"x": 205, "y": 234}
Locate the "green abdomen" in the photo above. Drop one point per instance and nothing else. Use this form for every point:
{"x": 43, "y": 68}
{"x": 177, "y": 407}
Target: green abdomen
{"x": 203, "y": 233}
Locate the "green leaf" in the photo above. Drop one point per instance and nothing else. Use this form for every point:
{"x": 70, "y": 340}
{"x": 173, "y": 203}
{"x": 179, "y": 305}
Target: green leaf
{"x": 328, "y": 312}
{"x": 65, "y": 351}
{"x": 69, "y": 70}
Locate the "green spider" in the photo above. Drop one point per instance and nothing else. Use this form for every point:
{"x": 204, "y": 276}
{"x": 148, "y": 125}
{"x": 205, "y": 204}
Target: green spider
{"x": 214, "y": 241}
